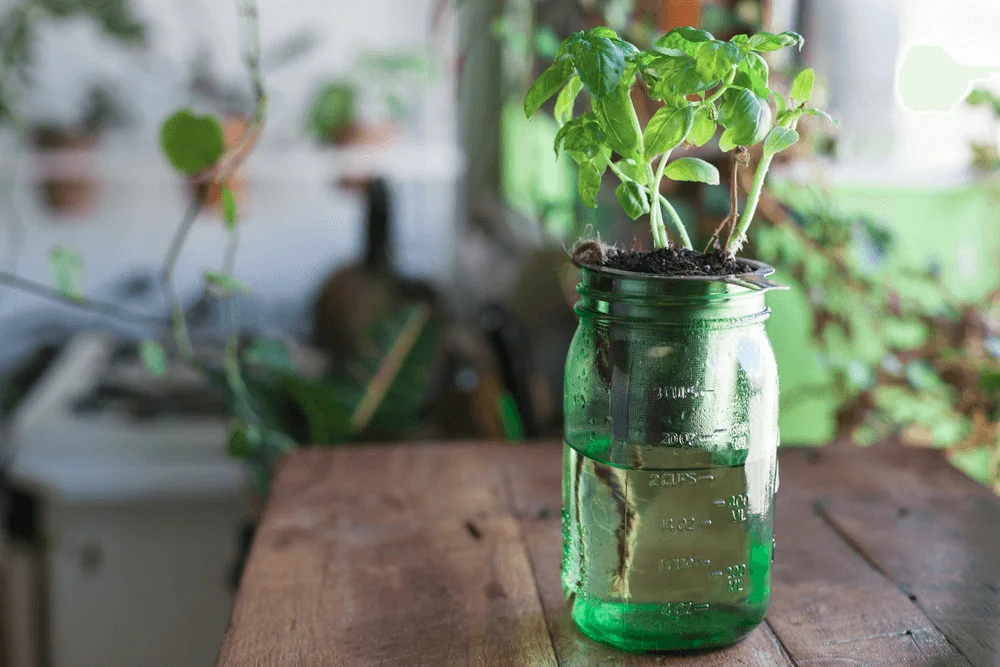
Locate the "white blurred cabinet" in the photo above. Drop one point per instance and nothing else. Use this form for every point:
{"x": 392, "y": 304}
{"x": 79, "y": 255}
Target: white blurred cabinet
{"x": 139, "y": 529}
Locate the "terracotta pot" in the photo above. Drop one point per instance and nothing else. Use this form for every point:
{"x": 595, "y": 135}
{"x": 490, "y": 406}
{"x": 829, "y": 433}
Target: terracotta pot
{"x": 233, "y": 127}
{"x": 67, "y": 184}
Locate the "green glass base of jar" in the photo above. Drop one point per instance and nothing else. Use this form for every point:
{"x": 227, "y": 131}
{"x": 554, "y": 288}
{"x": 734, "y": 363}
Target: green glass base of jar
{"x": 641, "y": 628}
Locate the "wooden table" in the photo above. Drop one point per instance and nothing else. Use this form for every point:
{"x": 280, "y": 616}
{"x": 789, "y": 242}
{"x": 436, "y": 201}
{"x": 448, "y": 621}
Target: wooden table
{"x": 449, "y": 555}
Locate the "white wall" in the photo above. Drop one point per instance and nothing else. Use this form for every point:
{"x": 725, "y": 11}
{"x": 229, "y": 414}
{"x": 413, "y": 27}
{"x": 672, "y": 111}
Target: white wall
{"x": 296, "y": 226}
{"x": 857, "y": 47}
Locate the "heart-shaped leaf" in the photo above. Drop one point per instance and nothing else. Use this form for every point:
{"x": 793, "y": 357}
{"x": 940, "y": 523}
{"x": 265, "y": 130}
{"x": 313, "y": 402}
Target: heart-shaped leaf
{"x": 192, "y": 143}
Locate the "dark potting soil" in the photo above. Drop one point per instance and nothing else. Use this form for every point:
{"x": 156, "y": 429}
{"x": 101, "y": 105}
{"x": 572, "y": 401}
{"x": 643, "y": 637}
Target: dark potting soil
{"x": 662, "y": 261}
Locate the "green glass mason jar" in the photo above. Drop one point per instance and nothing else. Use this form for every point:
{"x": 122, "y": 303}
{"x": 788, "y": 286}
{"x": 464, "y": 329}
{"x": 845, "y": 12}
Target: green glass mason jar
{"x": 669, "y": 464}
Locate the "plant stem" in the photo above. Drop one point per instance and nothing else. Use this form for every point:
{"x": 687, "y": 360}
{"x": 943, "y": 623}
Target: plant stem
{"x": 671, "y": 211}
{"x": 656, "y": 225}
{"x": 722, "y": 87}
{"x": 659, "y": 230}
{"x": 751, "y": 206}
{"x": 678, "y": 223}
{"x": 82, "y": 303}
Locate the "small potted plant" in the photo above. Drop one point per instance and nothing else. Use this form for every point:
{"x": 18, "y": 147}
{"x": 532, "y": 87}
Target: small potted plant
{"x": 671, "y": 392}
{"x": 68, "y": 185}
{"x": 346, "y": 113}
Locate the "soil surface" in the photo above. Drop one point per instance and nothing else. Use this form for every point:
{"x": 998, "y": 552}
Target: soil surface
{"x": 662, "y": 261}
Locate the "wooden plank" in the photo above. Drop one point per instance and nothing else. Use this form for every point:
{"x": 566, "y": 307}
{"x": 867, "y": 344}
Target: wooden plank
{"x": 535, "y": 473}
{"x": 830, "y": 606}
{"x": 395, "y": 577}
{"x": 372, "y": 483}
{"x": 929, "y": 529}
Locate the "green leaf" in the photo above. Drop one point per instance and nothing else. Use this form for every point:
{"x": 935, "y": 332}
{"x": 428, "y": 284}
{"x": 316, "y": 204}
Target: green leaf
{"x": 230, "y": 213}
{"x": 684, "y": 39}
{"x": 752, "y": 73}
{"x": 632, "y": 198}
{"x": 588, "y": 182}
{"x": 802, "y": 86}
{"x": 667, "y": 129}
{"x": 637, "y": 172}
{"x": 153, "y": 357}
{"x": 547, "y": 84}
{"x": 778, "y": 139}
{"x": 766, "y": 41}
{"x": 600, "y": 59}
{"x": 671, "y": 76}
{"x": 225, "y": 284}
{"x": 779, "y": 102}
{"x": 616, "y": 116}
{"x": 566, "y": 100}
{"x": 191, "y": 143}
{"x": 703, "y": 127}
{"x": 742, "y": 42}
{"x": 746, "y": 117}
{"x": 67, "y": 271}
{"x": 716, "y": 59}
{"x": 692, "y": 169}
{"x": 581, "y": 135}
{"x": 823, "y": 114}
{"x": 332, "y": 110}
{"x": 726, "y": 142}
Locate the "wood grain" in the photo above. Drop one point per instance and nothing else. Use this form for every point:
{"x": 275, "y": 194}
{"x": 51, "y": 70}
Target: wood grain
{"x": 829, "y": 605}
{"x": 449, "y": 555}
{"x": 925, "y": 527}
{"x": 347, "y": 570}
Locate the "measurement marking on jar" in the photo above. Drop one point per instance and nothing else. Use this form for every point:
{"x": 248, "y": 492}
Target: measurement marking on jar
{"x": 684, "y": 608}
{"x": 717, "y": 573}
{"x": 720, "y": 501}
{"x": 668, "y": 479}
{"x": 737, "y": 507}
{"x": 671, "y": 393}
{"x": 706, "y": 523}
{"x": 682, "y": 563}
{"x": 685, "y": 438}
{"x": 734, "y": 577}
{"x": 707, "y": 477}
